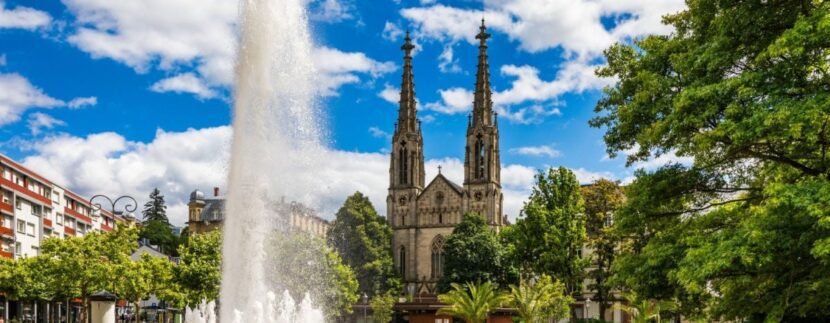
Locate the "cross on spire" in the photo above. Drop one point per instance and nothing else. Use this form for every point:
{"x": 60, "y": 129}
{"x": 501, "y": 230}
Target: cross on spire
{"x": 482, "y": 102}
{"x": 439, "y": 169}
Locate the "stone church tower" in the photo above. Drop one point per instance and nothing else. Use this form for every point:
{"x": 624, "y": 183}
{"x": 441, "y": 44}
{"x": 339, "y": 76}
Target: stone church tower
{"x": 423, "y": 216}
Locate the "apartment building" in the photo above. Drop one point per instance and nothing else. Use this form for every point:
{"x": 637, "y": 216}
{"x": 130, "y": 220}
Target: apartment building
{"x": 34, "y": 208}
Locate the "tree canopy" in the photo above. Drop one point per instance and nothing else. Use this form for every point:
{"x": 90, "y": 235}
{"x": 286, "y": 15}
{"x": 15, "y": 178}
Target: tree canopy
{"x": 473, "y": 253}
{"x": 198, "y": 273}
{"x": 548, "y": 239}
{"x": 602, "y": 199}
{"x": 362, "y": 237}
{"x": 155, "y": 209}
{"x": 743, "y": 88}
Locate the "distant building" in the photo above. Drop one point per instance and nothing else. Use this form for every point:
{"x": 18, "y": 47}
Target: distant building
{"x": 33, "y": 208}
{"x": 206, "y": 214}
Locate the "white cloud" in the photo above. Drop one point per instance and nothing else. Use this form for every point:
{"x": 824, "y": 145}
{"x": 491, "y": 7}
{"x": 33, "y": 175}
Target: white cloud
{"x": 18, "y": 95}
{"x": 662, "y": 160}
{"x": 179, "y": 162}
{"x": 23, "y": 17}
{"x": 527, "y": 115}
{"x": 543, "y": 150}
{"x": 339, "y": 68}
{"x": 39, "y": 121}
{"x": 331, "y": 11}
{"x": 391, "y": 31}
{"x": 184, "y": 83}
{"x": 378, "y": 133}
{"x": 82, "y": 102}
{"x": 446, "y": 62}
{"x": 428, "y": 118}
{"x": 390, "y": 94}
{"x": 453, "y": 101}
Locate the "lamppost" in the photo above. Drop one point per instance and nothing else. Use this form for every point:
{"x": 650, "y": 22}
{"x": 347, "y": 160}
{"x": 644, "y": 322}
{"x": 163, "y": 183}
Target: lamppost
{"x": 130, "y": 205}
{"x": 365, "y": 304}
{"x": 128, "y": 210}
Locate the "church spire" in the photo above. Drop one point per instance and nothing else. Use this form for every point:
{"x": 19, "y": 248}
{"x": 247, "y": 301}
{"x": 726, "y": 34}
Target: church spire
{"x": 407, "y": 120}
{"x": 482, "y": 102}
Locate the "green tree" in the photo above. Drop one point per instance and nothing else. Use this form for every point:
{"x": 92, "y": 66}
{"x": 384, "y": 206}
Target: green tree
{"x": 304, "y": 265}
{"x": 644, "y": 310}
{"x": 473, "y": 253}
{"x": 742, "y": 88}
{"x": 362, "y": 237}
{"x": 198, "y": 273}
{"x": 548, "y": 239}
{"x": 472, "y": 302}
{"x": 602, "y": 199}
{"x": 542, "y": 301}
{"x": 155, "y": 209}
{"x": 382, "y": 308}
{"x": 146, "y": 276}
{"x": 81, "y": 266}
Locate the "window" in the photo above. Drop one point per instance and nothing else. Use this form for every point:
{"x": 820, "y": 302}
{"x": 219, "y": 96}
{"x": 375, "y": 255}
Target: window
{"x": 21, "y": 226}
{"x": 402, "y": 262}
{"x": 437, "y": 257}
{"x": 35, "y": 210}
{"x": 17, "y": 248}
{"x": 442, "y": 320}
{"x": 479, "y": 158}
{"x": 47, "y": 213}
{"x": 56, "y": 197}
{"x": 59, "y": 218}
{"x": 18, "y": 204}
{"x": 402, "y": 163}
{"x": 30, "y": 229}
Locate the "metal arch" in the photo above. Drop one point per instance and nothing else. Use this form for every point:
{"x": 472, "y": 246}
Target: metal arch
{"x": 129, "y": 207}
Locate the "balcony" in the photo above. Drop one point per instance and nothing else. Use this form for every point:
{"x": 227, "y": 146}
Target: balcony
{"x": 106, "y": 228}
{"x": 6, "y": 254}
{"x": 47, "y": 223}
{"x": 69, "y": 231}
{"x": 20, "y": 189}
{"x": 77, "y": 215}
{"x": 7, "y": 232}
{"x": 6, "y": 207}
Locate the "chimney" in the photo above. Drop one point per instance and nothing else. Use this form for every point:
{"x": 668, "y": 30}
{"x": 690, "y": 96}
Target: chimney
{"x": 215, "y": 192}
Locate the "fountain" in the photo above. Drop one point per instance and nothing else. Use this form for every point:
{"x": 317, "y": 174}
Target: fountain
{"x": 276, "y": 138}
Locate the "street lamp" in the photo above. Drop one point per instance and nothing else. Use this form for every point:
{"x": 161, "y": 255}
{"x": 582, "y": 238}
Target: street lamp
{"x": 365, "y": 304}
{"x": 128, "y": 210}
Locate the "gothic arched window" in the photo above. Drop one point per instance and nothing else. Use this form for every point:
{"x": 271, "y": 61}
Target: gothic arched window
{"x": 479, "y": 162}
{"x": 402, "y": 262}
{"x": 437, "y": 257}
{"x": 402, "y": 163}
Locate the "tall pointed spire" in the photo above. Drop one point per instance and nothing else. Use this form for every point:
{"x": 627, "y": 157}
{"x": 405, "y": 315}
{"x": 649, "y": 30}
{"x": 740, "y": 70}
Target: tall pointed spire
{"x": 482, "y": 102}
{"x": 407, "y": 120}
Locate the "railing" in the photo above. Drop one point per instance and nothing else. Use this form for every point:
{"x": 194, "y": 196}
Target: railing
{"x": 77, "y": 215}
{"x": 106, "y": 228}
{"x": 6, "y": 231}
{"x": 6, "y": 254}
{"x": 6, "y": 207}
{"x": 25, "y": 190}
{"x": 47, "y": 222}
{"x": 69, "y": 231}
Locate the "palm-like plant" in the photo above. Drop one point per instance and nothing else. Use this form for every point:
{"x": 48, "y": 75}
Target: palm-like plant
{"x": 541, "y": 301}
{"x": 471, "y": 302}
{"x": 644, "y": 310}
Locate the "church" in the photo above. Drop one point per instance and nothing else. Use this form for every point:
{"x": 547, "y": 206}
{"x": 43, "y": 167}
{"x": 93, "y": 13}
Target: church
{"x": 423, "y": 215}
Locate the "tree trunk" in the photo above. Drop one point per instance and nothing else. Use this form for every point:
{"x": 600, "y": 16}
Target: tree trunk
{"x": 137, "y": 310}
{"x": 602, "y": 308}
{"x": 83, "y": 316}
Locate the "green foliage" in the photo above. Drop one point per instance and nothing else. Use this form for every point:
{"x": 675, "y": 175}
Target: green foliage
{"x": 471, "y": 302}
{"x": 473, "y": 253}
{"x": 362, "y": 237}
{"x": 382, "y": 308}
{"x": 81, "y": 266}
{"x": 305, "y": 265}
{"x": 542, "y": 301}
{"x": 199, "y": 271}
{"x": 602, "y": 199}
{"x": 155, "y": 209}
{"x": 160, "y": 233}
{"x": 742, "y": 87}
{"x": 549, "y": 238}
{"x": 643, "y": 310}
{"x": 147, "y": 276}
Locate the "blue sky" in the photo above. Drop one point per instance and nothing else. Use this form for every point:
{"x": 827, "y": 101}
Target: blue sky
{"x": 110, "y": 96}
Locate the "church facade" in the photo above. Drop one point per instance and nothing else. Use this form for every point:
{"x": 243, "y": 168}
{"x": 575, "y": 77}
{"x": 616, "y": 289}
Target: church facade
{"x": 422, "y": 216}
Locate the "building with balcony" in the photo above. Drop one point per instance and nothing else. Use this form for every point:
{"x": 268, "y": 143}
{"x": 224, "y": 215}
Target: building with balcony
{"x": 33, "y": 208}
{"x": 206, "y": 214}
